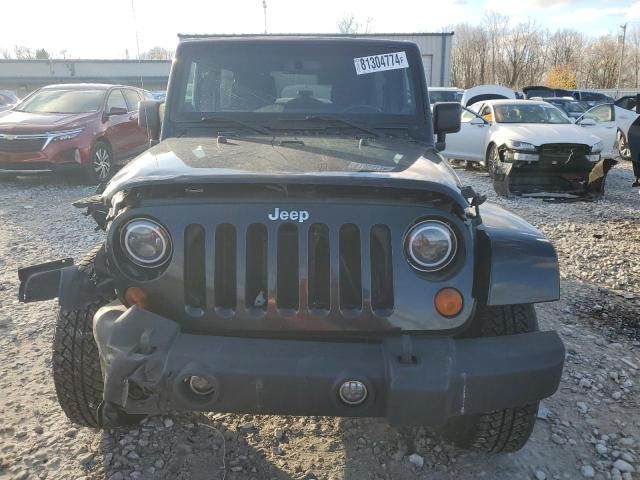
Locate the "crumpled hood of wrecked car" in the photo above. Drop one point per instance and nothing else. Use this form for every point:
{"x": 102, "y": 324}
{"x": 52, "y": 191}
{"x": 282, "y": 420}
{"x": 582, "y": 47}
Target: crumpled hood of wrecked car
{"x": 541, "y": 134}
{"x": 260, "y": 159}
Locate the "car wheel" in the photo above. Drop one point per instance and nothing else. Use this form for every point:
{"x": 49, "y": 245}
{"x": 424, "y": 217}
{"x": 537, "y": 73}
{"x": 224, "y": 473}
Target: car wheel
{"x": 508, "y": 429}
{"x": 77, "y": 375}
{"x": 623, "y": 147}
{"x": 101, "y": 167}
{"x": 492, "y": 160}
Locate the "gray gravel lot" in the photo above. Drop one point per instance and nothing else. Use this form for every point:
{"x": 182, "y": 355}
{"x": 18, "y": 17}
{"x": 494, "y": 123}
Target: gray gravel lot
{"x": 589, "y": 429}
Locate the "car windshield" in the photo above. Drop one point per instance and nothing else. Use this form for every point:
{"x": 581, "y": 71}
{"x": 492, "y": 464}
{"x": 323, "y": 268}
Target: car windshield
{"x": 444, "y": 96}
{"x": 528, "y": 113}
{"x": 63, "y": 101}
{"x": 315, "y": 79}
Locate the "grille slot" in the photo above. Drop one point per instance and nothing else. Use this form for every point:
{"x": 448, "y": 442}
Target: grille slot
{"x": 319, "y": 271}
{"x": 350, "y": 268}
{"x": 225, "y": 267}
{"x": 381, "y": 268}
{"x": 287, "y": 287}
{"x": 256, "y": 267}
{"x": 236, "y": 270}
{"x": 194, "y": 267}
{"x": 22, "y": 144}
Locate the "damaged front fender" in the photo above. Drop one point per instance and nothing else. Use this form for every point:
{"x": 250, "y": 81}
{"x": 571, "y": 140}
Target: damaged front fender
{"x": 134, "y": 346}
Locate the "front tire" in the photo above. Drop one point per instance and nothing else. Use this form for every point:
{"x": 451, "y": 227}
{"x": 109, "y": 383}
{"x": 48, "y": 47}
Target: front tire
{"x": 100, "y": 167}
{"x": 492, "y": 160}
{"x": 505, "y": 430}
{"x": 77, "y": 375}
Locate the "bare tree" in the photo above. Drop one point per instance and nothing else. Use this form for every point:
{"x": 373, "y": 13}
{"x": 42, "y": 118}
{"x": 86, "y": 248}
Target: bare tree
{"x": 42, "y": 54}
{"x": 6, "y": 53}
{"x": 496, "y": 27}
{"x": 348, "y": 24}
{"x": 22, "y": 53}
{"x": 157, "y": 53}
{"x": 470, "y": 56}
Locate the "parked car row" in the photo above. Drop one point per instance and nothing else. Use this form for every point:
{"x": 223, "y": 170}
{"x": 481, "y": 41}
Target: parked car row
{"x": 87, "y": 127}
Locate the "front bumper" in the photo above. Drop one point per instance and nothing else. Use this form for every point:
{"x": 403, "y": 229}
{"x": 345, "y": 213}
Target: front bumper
{"x": 411, "y": 379}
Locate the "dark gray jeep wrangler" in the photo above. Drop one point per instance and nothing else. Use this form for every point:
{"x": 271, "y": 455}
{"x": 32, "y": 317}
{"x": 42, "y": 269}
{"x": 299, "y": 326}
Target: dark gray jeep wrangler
{"x": 294, "y": 244}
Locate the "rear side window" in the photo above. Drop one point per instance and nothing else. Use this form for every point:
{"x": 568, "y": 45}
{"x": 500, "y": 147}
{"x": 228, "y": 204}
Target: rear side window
{"x": 132, "y": 98}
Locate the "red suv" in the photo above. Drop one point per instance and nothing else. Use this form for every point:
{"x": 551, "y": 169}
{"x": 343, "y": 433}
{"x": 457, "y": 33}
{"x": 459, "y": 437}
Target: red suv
{"x": 87, "y": 126}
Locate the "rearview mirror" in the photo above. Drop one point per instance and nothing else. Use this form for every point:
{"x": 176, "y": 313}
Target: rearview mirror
{"x": 587, "y": 122}
{"x": 446, "y": 119}
{"x": 149, "y": 118}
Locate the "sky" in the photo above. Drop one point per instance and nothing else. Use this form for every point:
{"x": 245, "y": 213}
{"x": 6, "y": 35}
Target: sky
{"x": 107, "y": 29}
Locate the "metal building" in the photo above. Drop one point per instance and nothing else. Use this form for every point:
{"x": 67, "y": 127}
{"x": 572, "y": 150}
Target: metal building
{"x": 436, "y": 53}
{"x": 24, "y": 76}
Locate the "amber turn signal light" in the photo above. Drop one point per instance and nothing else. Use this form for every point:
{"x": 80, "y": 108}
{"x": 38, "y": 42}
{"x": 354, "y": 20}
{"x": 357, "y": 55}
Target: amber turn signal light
{"x": 135, "y": 296}
{"x": 448, "y": 302}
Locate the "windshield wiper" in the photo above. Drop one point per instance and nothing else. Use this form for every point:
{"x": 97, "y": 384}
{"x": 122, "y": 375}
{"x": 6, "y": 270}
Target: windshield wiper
{"x": 227, "y": 122}
{"x": 334, "y": 120}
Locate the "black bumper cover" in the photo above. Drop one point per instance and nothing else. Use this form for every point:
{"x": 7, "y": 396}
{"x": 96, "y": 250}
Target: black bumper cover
{"x": 300, "y": 377}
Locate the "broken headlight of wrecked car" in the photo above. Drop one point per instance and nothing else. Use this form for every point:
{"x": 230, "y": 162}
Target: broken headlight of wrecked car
{"x": 520, "y": 151}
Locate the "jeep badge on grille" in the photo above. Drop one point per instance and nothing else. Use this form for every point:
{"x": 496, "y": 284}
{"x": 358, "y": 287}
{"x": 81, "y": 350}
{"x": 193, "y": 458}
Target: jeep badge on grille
{"x": 294, "y": 215}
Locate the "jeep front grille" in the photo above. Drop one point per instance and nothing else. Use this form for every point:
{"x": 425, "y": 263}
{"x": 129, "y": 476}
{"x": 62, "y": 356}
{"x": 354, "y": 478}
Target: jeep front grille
{"x": 291, "y": 267}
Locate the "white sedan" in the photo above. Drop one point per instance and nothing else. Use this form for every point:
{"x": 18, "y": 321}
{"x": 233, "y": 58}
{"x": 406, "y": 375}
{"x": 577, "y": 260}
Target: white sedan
{"x": 519, "y": 128}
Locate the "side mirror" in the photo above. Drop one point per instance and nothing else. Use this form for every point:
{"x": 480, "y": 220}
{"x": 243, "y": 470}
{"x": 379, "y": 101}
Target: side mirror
{"x": 586, "y": 122}
{"x": 149, "y": 118}
{"x": 446, "y": 119}
{"x": 117, "y": 111}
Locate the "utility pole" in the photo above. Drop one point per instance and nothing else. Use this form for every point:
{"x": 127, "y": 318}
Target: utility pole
{"x": 264, "y": 7}
{"x": 624, "y": 36}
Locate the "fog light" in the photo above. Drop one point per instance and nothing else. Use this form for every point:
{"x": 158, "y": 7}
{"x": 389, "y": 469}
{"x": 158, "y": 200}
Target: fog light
{"x": 353, "y": 392}
{"x": 200, "y": 385}
{"x": 448, "y": 302}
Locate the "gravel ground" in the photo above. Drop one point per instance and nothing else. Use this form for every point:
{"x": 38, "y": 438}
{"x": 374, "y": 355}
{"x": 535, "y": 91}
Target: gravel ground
{"x": 589, "y": 429}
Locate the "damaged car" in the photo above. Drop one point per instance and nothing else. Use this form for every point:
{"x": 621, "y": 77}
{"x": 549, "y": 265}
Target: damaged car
{"x": 531, "y": 147}
{"x": 295, "y": 245}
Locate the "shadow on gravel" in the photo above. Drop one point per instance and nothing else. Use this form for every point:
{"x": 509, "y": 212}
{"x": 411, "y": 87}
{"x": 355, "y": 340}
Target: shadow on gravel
{"x": 610, "y": 311}
{"x": 194, "y": 446}
{"x": 53, "y": 179}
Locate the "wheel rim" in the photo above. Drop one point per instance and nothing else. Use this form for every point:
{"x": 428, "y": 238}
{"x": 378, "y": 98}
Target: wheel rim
{"x": 102, "y": 163}
{"x": 623, "y": 148}
{"x": 491, "y": 161}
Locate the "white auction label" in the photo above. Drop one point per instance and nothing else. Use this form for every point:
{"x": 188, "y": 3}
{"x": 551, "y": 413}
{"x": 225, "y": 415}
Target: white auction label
{"x": 381, "y": 63}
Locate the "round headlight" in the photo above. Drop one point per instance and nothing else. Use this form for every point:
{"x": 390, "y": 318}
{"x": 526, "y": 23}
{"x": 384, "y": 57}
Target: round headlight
{"x": 431, "y": 245}
{"x": 146, "y": 243}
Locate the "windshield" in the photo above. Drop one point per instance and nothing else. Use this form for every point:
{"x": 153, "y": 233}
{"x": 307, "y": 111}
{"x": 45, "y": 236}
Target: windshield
{"x": 63, "y": 101}
{"x": 532, "y": 113}
{"x": 308, "y": 79}
{"x": 444, "y": 96}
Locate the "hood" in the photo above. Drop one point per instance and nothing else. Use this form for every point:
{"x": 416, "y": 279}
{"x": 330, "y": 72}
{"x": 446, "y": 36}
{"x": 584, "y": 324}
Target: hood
{"x": 12, "y": 121}
{"x": 540, "y": 134}
{"x": 486, "y": 92}
{"x": 302, "y": 160}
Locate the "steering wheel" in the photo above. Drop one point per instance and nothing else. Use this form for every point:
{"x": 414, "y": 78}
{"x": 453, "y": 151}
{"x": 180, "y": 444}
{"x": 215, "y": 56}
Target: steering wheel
{"x": 362, "y": 109}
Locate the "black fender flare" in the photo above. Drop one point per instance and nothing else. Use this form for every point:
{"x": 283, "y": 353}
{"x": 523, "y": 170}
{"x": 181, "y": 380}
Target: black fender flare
{"x": 515, "y": 262}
